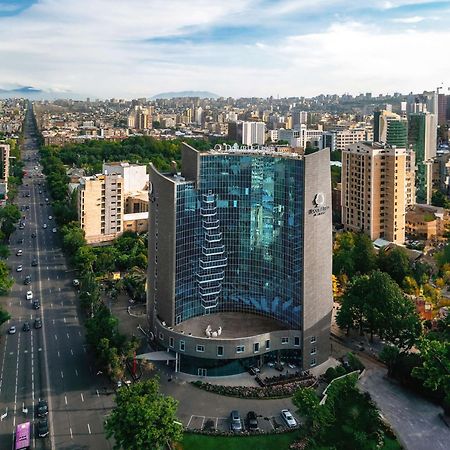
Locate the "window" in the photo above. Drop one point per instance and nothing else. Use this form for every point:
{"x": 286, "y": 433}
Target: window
{"x": 256, "y": 347}
{"x": 200, "y": 348}
{"x": 285, "y": 340}
{"x": 240, "y": 349}
{"x": 313, "y": 362}
{"x": 171, "y": 342}
{"x": 268, "y": 344}
{"x": 297, "y": 340}
{"x": 313, "y": 339}
{"x": 220, "y": 350}
{"x": 182, "y": 346}
{"x": 313, "y": 351}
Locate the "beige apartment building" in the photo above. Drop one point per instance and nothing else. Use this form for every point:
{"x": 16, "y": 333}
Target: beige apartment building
{"x": 100, "y": 207}
{"x": 4, "y": 172}
{"x": 376, "y": 188}
{"x": 113, "y": 202}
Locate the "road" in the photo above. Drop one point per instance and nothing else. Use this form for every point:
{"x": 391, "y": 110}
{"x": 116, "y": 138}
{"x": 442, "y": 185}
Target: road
{"x": 49, "y": 363}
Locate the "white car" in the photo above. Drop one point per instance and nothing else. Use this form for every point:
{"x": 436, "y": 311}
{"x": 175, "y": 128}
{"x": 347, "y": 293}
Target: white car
{"x": 54, "y": 230}
{"x": 29, "y": 295}
{"x": 44, "y": 226}
{"x": 19, "y": 268}
{"x": 50, "y": 217}
{"x": 288, "y": 418}
{"x": 12, "y": 330}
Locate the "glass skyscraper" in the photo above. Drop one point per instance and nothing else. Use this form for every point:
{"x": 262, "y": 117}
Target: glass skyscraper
{"x": 228, "y": 258}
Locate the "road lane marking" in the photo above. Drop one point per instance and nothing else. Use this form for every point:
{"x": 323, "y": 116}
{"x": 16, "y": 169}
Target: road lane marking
{"x": 64, "y": 320}
{"x": 71, "y": 435}
{"x": 71, "y": 352}
{"x": 62, "y": 375}
{"x": 76, "y": 372}
{"x": 58, "y": 354}
{"x": 65, "y": 399}
{"x": 53, "y": 321}
{"x": 68, "y": 337}
{"x": 56, "y": 337}
{"x": 82, "y": 398}
{"x": 89, "y": 428}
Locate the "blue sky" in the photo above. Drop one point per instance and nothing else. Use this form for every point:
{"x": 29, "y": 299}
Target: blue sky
{"x": 134, "y": 48}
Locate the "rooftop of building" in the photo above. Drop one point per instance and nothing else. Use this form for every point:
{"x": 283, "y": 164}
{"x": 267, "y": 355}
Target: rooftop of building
{"x": 259, "y": 150}
{"x": 233, "y": 325}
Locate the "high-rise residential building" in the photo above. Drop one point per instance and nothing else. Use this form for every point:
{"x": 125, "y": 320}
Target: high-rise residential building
{"x": 376, "y": 188}
{"x": 442, "y": 109}
{"x": 299, "y": 118}
{"x": 340, "y": 139}
{"x": 390, "y": 128}
{"x": 140, "y": 118}
{"x": 4, "y": 172}
{"x": 422, "y": 136}
{"x": 100, "y": 207}
{"x": 240, "y": 259}
{"x": 253, "y": 133}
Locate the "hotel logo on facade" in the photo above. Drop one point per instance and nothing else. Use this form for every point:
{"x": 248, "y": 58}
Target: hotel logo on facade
{"x": 319, "y": 206}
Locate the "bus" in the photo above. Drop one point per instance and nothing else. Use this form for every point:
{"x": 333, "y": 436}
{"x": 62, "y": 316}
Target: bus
{"x": 23, "y": 436}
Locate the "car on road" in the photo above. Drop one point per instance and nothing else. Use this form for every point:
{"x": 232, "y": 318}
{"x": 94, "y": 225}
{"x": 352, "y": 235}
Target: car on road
{"x": 42, "y": 428}
{"x": 27, "y": 280}
{"x": 19, "y": 268}
{"x": 235, "y": 421}
{"x": 54, "y": 230}
{"x": 12, "y": 330}
{"x": 44, "y": 226}
{"x": 20, "y": 241}
{"x": 36, "y": 304}
{"x": 46, "y": 199}
{"x": 21, "y": 226}
{"x": 33, "y": 235}
{"x": 252, "y": 421}
{"x": 288, "y": 418}
{"x": 42, "y": 408}
{"x": 50, "y": 217}
{"x": 34, "y": 262}
{"x": 37, "y": 323}
{"x": 29, "y": 295}
{"x": 26, "y": 326}
{"x": 19, "y": 252}
{"x": 76, "y": 283}
{"x": 41, "y": 204}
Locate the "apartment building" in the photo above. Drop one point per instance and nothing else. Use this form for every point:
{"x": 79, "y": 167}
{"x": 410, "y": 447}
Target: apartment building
{"x": 376, "y": 188}
{"x": 341, "y": 139}
{"x": 100, "y": 207}
{"x": 4, "y": 172}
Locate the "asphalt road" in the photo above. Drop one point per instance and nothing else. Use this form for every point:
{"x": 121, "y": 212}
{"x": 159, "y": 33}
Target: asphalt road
{"x": 51, "y": 362}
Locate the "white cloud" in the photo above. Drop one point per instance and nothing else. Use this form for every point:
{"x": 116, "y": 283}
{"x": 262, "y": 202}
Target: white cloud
{"x": 105, "y": 48}
{"x": 413, "y": 19}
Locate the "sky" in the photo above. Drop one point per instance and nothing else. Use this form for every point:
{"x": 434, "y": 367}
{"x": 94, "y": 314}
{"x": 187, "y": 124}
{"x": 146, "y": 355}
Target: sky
{"x": 238, "y": 48}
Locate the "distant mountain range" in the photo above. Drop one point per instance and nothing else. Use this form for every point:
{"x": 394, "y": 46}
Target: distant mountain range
{"x": 200, "y": 94}
{"x": 33, "y": 93}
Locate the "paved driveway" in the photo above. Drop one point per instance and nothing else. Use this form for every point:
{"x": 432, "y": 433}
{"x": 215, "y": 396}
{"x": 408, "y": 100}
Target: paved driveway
{"x": 415, "y": 420}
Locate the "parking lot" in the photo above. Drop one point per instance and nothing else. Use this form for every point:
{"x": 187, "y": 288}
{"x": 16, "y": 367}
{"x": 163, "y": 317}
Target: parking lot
{"x": 266, "y": 424}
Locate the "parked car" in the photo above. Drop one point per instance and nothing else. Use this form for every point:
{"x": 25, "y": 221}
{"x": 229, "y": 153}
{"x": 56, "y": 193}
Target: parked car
{"x": 235, "y": 422}
{"x": 252, "y": 421}
{"x": 42, "y": 408}
{"x": 42, "y": 428}
{"x": 288, "y": 418}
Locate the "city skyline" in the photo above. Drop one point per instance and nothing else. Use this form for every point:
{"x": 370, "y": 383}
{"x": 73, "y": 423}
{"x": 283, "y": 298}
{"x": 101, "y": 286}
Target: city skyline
{"x": 138, "y": 49}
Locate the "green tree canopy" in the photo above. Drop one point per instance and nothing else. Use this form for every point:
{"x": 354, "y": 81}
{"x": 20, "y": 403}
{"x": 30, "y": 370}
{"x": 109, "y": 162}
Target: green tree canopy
{"x": 143, "y": 418}
{"x": 396, "y": 263}
{"x": 4, "y": 316}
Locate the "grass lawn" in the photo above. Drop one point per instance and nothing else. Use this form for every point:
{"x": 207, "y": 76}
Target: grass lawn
{"x": 270, "y": 442}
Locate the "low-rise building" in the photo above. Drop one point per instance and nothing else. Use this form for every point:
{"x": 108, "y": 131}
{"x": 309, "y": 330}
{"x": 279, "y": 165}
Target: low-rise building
{"x": 426, "y": 221}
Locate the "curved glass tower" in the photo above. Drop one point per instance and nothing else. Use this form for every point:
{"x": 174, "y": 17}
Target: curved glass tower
{"x": 240, "y": 258}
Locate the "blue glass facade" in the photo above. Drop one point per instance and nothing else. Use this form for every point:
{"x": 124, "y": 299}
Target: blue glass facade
{"x": 239, "y": 238}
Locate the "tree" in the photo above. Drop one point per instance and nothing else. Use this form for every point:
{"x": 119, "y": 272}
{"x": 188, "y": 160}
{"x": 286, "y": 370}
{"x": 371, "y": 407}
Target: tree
{"x": 308, "y": 405}
{"x": 4, "y": 316}
{"x": 389, "y": 355}
{"x": 395, "y": 262}
{"x": 364, "y": 254}
{"x": 6, "y": 281}
{"x": 375, "y": 303}
{"x": 435, "y": 370}
{"x": 143, "y": 418}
